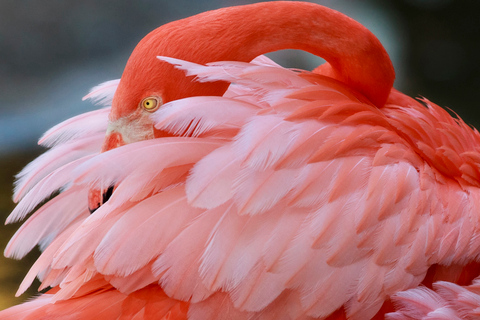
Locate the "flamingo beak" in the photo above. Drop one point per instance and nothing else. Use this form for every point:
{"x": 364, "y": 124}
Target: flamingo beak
{"x": 97, "y": 197}
{"x": 122, "y": 131}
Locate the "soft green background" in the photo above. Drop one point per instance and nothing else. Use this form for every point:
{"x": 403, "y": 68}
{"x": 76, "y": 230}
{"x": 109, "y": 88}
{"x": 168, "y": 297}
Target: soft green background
{"x": 53, "y": 51}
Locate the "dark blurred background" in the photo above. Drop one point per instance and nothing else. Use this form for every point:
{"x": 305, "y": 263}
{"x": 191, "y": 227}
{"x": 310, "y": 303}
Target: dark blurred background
{"x": 53, "y": 51}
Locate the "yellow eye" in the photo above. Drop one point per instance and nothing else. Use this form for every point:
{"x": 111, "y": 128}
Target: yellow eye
{"x": 151, "y": 103}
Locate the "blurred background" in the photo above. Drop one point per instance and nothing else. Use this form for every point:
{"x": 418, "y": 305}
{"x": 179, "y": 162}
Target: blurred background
{"x": 53, "y": 51}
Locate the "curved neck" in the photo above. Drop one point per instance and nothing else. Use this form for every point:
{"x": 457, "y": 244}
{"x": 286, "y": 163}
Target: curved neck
{"x": 244, "y": 32}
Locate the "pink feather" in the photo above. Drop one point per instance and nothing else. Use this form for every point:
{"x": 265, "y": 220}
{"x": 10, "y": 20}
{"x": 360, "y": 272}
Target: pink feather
{"x": 292, "y": 194}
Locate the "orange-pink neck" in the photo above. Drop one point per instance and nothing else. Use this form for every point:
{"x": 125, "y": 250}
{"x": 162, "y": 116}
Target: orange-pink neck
{"x": 244, "y": 32}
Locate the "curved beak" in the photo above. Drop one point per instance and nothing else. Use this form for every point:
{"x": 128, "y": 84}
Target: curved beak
{"x": 119, "y": 133}
{"x": 97, "y": 197}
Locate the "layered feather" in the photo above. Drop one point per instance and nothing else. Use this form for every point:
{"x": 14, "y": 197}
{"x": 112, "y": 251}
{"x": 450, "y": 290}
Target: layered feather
{"x": 266, "y": 199}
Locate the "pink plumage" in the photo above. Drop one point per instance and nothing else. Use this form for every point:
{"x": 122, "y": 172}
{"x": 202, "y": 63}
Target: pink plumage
{"x": 251, "y": 191}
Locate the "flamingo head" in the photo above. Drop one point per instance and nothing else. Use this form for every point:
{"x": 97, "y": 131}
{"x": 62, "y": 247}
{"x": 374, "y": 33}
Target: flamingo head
{"x": 147, "y": 83}
{"x": 134, "y": 126}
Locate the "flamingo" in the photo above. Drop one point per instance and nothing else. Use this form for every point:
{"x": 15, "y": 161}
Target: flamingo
{"x": 215, "y": 184}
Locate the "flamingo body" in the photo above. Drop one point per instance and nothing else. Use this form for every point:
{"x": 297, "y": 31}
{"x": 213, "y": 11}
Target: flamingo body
{"x": 250, "y": 191}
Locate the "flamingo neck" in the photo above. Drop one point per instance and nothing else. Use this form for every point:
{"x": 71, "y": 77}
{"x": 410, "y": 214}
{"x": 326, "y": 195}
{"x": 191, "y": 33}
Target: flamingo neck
{"x": 241, "y": 33}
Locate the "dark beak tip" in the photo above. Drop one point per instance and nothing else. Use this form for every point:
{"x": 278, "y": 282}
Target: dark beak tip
{"x": 95, "y": 200}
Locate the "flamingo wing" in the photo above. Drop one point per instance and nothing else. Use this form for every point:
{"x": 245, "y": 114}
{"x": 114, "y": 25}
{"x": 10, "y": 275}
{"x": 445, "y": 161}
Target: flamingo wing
{"x": 266, "y": 199}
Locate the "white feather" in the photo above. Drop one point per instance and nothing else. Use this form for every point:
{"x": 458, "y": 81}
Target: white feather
{"x": 84, "y": 125}
{"x": 53, "y": 159}
{"x": 47, "y": 222}
{"x": 103, "y": 93}
{"x": 197, "y": 115}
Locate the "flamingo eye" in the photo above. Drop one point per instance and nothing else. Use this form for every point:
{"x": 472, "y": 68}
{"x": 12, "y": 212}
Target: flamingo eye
{"x": 151, "y": 104}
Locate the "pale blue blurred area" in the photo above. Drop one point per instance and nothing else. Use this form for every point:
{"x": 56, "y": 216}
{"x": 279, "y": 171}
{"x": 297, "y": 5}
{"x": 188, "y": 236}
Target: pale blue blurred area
{"x": 52, "y": 52}
{"x": 25, "y": 120}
